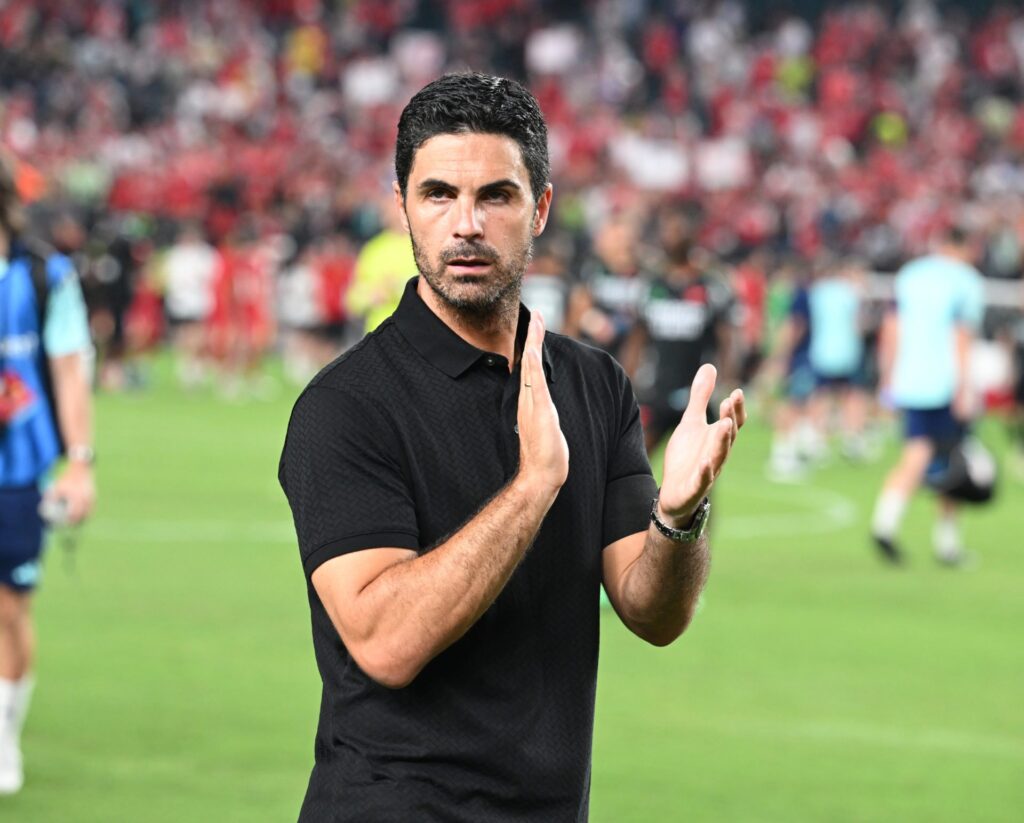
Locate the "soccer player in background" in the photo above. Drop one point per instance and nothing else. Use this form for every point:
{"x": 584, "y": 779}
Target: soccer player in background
{"x": 604, "y": 307}
{"x": 687, "y": 318}
{"x": 796, "y": 442}
{"x": 1017, "y": 412}
{"x": 836, "y": 354}
{"x": 34, "y": 340}
{"x": 190, "y": 267}
{"x": 924, "y": 349}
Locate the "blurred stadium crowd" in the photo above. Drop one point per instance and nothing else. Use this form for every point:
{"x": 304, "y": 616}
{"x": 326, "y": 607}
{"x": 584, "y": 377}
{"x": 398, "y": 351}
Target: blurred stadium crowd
{"x": 221, "y": 171}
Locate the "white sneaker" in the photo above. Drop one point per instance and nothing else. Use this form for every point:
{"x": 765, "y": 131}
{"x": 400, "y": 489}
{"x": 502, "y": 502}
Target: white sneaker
{"x": 786, "y": 469}
{"x": 959, "y": 559}
{"x": 12, "y": 777}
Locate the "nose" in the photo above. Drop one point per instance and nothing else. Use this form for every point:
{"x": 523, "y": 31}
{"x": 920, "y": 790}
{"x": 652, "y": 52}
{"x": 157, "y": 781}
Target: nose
{"x": 468, "y": 224}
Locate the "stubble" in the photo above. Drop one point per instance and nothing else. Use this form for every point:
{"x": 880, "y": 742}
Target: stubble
{"x": 481, "y": 301}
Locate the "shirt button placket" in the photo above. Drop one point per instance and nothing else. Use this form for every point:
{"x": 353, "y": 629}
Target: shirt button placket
{"x": 510, "y": 411}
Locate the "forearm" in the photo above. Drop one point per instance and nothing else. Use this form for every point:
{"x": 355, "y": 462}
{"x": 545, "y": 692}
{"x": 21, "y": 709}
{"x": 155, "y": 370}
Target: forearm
{"x": 660, "y": 588}
{"x": 964, "y": 341}
{"x": 75, "y": 486}
{"x": 416, "y": 609}
{"x": 74, "y": 400}
{"x": 655, "y": 585}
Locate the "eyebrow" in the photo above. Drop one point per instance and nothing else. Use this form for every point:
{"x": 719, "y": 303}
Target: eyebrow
{"x": 435, "y": 183}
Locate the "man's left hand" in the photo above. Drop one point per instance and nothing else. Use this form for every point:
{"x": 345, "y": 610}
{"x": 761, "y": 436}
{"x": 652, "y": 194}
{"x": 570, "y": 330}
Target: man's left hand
{"x": 697, "y": 450}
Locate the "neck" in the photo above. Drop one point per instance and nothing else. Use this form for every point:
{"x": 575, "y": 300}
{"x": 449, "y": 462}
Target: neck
{"x": 956, "y": 252}
{"x": 493, "y": 332}
{"x": 5, "y": 244}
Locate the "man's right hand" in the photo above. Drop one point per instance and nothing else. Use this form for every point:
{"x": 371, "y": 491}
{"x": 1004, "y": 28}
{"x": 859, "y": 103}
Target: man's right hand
{"x": 543, "y": 450}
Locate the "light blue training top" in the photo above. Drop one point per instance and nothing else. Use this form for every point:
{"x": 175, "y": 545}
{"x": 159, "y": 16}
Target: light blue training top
{"x": 29, "y": 445}
{"x": 837, "y": 345}
{"x": 934, "y": 296}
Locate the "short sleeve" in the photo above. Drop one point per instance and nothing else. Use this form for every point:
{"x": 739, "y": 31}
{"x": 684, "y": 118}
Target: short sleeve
{"x": 67, "y": 325}
{"x": 630, "y": 486}
{"x": 971, "y": 311}
{"x": 342, "y": 473}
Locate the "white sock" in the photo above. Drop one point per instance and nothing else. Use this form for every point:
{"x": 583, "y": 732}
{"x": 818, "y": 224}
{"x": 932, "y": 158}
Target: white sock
{"x": 19, "y": 708}
{"x": 946, "y": 538}
{"x": 785, "y": 448}
{"x": 8, "y": 689}
{"x": 888, "y": 515}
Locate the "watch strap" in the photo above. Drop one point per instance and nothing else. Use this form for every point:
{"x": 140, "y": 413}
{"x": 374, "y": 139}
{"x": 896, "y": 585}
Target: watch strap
{"x": 689, "y": 533}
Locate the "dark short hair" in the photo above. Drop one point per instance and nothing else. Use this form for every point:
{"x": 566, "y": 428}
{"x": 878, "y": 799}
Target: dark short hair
{"x": 473, "y": 103}
{"x": 956, "y": 235}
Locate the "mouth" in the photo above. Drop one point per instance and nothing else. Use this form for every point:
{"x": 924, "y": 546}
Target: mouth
{"x": 469, "y": 265}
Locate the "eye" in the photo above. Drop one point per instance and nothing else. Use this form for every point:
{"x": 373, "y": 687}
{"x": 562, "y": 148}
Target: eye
{"x": 438, "y": 194}
{"x": 497, "y": 196}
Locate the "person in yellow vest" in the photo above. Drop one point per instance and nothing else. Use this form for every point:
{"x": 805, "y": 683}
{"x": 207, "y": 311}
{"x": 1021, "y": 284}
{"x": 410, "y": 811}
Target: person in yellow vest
{"x": 383, "y": 267}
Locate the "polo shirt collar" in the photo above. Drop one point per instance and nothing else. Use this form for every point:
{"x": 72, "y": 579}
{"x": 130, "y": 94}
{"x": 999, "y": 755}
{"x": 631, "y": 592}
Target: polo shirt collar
{"x": 441, "y": 346}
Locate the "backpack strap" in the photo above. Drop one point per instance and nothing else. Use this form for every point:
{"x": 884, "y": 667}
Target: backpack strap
{"x": 41, "y": 286}
{"x": 38, "y": 254}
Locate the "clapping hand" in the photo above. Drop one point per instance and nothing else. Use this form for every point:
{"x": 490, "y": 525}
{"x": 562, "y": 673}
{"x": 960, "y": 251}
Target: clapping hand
{"x": 697, "y": 450}
{"x": 543, "y": 451}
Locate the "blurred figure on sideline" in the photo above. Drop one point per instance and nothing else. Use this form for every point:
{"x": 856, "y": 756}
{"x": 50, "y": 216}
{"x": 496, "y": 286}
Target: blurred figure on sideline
{"x": 750, "y": 282}
{"x": 1017, "y": 414}
{"x": 924, "y": 350}
{"x": 383, "y": 267}
{"x": 795, "y": 442}
{"x": 44, "y": 348}
{"x": 109, "y": 284}
{"x": 241, "y": 323}
{"x": 605, "y": 306}
{"x": 836, "y": 355}
{"x": 189, "y": 269}
{"x": 687, "y": 320}
{"x": 546, "y": 286}
{"x": 311, "y": 295}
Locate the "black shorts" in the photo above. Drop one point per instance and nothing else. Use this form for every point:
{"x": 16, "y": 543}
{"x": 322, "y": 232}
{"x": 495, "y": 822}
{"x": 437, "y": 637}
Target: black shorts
{"x": 21, "y": 537}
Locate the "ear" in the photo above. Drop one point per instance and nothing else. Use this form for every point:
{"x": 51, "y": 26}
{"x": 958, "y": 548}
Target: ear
{"x": 540, "y": 214}
{"x": 400, "y": 205}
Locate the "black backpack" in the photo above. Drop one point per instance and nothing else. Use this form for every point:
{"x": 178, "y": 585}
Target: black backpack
{"x": 964, "y": 470}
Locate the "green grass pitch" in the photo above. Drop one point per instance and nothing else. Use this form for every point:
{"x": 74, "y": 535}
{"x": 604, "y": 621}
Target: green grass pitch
{"x": 177, "y": 682}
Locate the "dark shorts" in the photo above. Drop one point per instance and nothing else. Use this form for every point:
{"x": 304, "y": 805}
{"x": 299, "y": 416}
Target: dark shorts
{"x": 800, "y": 380}
{"x": 176, "y": 321}
{"x": 21, "y": 537}
{"x": 833, "y": 381}
{"x": 937, "y": 425}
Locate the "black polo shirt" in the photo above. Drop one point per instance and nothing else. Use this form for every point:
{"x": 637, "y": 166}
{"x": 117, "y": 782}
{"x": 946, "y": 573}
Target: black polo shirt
{"x": 398, "y": 443}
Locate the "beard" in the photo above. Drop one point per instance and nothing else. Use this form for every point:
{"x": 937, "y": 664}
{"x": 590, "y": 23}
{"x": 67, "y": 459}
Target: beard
{"x": 478, "y": 299}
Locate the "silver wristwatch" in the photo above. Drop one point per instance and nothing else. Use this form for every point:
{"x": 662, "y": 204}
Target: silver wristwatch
{"x": 692, "y": 531}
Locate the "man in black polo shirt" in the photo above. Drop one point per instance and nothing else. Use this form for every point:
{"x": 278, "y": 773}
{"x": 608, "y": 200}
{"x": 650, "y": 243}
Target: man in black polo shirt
{"x": 461, "y": 486}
